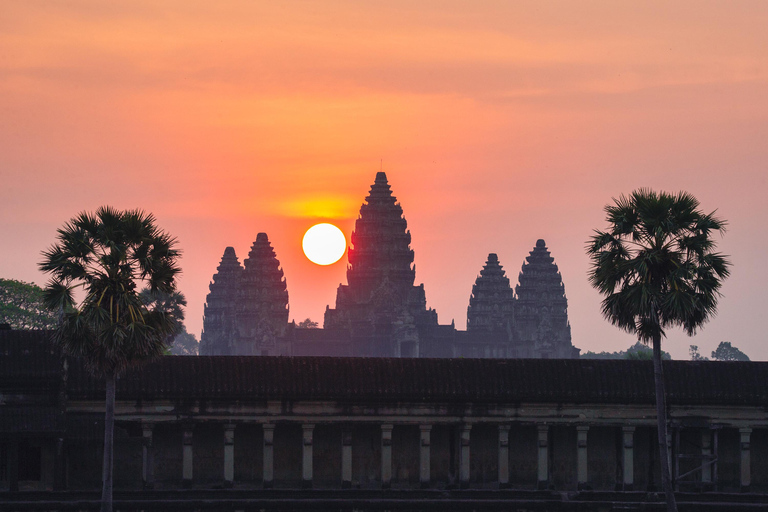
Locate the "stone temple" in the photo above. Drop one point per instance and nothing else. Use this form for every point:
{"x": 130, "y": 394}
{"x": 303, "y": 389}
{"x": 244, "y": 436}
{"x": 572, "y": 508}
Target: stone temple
{"x": 381, "y": 312}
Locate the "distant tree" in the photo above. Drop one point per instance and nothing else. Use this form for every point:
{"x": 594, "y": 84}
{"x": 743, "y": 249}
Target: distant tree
{"x": 108, "y": 255}
{"x": 172, "y": 304}
{"x": 602, "y": 355}
{"x": 636, "y": 351}
{"x": 185, "y": 344}
{"x": 641, "y": 352}
{"x": 22, "y": 306}
{"x": 656, "y": 267}
{"x": 694, "y": 353}
{"x": 180, "y": 342}
{"x": 726, "y": 352}
{"x": 307, "y": 324}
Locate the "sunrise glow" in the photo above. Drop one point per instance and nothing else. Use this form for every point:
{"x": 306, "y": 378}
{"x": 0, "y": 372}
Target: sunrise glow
{"x": 497, "y": 123}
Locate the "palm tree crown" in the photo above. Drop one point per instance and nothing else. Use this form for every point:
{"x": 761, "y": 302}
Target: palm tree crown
{"x": 656, "y": 264}
{"x": 107, "y": 255}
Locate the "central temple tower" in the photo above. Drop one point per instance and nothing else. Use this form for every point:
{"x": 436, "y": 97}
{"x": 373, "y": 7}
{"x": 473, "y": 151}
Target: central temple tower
{"x": 380, "y": 306}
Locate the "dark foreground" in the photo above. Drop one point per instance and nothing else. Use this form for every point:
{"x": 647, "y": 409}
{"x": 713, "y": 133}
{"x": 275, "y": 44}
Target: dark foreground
{"x": 361, "y": 501}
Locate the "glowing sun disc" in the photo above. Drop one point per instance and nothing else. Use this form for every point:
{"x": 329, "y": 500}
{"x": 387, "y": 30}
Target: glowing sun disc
{"x": 324, "y": 244}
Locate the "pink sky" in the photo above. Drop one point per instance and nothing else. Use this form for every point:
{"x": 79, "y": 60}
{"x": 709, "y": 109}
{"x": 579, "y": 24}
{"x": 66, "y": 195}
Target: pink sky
{"x": 498, "y": 123}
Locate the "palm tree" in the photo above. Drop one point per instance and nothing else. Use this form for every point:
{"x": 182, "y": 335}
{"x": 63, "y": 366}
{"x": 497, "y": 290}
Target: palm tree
{"x": 107, "y": 255}
{"x": 657, "y": 268}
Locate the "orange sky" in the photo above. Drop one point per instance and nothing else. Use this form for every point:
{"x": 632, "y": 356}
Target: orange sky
{"x": 497, "y": 122}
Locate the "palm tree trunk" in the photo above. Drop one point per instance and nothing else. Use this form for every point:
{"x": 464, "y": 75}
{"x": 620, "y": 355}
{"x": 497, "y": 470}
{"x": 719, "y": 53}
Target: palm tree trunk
{"x": 109, "y": 428}
{"x": 661, "y": 424}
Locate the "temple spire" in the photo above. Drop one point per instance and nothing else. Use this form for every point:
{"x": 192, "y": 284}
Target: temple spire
{"x": 380, "y": 276}
{"x": 221, "y": 302}
{"x": 541, "y": 312}
{"x": 263, "y": 299}
{"x": 492, "y": 299}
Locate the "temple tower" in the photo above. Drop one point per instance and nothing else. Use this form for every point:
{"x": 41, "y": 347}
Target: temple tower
{"x": 492, "y": 299}
{"x": 219, "y": 321}
{"x": 540, "y": 326}
{"x": 262, "y": 310}
{"x": 380, "y": 291}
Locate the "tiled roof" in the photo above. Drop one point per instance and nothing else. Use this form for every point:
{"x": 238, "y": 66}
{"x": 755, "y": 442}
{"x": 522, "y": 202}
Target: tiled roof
{"x": 377, "y": 380}
{"x": 380, "y": 380}
{"x": 27, "y": 354}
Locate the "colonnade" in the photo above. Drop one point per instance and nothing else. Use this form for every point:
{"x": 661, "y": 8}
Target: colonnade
{"x": 627, "y": 455}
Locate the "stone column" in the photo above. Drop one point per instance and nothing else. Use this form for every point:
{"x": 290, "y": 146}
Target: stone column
{"x": 746, "y": 475}
{"x": 581, "y": 456}
{"x": 346, "y": 458}
{"x": 186, "y": 463}
{"x": 424, "y": 460}
{"x": 13, "y": 465}
{"x": 543, "y": 476}
{"x": 269, "y": 455}
{"x": 464, "y": 460}
{"x": 306, "y": 455}
{"x": 147, "y": 456}
{"x": 59, "y": 466}
{"x": 229, "y": 454}
{"x": 386, "y": 455}
{"x": 628, "y": 468}
{"x": 706, "y": 459}
{"x": 504, "y": 456}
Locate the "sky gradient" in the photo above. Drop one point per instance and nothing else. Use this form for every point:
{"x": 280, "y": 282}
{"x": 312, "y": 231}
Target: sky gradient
{"x": 497, "y": 123}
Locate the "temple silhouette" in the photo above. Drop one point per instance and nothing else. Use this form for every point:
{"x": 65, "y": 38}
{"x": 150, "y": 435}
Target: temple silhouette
{"x": 380, "y": 312}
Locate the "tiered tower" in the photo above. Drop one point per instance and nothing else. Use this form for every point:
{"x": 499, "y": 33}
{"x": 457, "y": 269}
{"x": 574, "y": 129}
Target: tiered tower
{"x": 219, "y": 323}
{"x": 262, "y": 300}
{"x": 247, "y": 310}
{"x": 492, "y": 299}
{"x": 541, "y": 327}
{"x": 380, "y": 302}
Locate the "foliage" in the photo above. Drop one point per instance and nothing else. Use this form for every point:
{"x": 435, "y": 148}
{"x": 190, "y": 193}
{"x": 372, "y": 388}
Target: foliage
{"x": 172, "y": 304}
{"x": 693, "y": 351}
{"x": 641, "y": 352}
{"x": 107, "y": 255}
{"x": 185, "y": 344}
{"x": 636, "y": 351}
{"x": 307, "y": 324}
{"x": 726, "y": 352}
{"x": 180, "y": 342}
{"x": 21, "y": 306}
{"x": 656, "y": 268}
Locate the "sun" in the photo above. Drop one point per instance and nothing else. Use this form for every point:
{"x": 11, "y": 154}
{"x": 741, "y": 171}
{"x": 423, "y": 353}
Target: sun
{"x": 324, "y": 244}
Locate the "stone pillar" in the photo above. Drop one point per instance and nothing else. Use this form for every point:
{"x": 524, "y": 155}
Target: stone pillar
{"x": 269, "y": 455}
{"x": 186, "y": 463}
{"x": 386, "y": 455}
{"x": 229, "y": 455}
{"x": 13, "y": 465}
{"x": 543, "y": 465}
{"x": 424, "y": 459}
{"x": 706, "y": 459}
{"x": 746, "y": 475}
{"x": 306, "y": 455}
{"x": 628, "y": 467}
{"x": 346, "y": 458}
{"x": 581, "y": 456}
{"x": 147, "y": 456}
{"x": 59, "y": 466}
{"x": 503, "y": 456}
{"x": 464, "y": 460}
